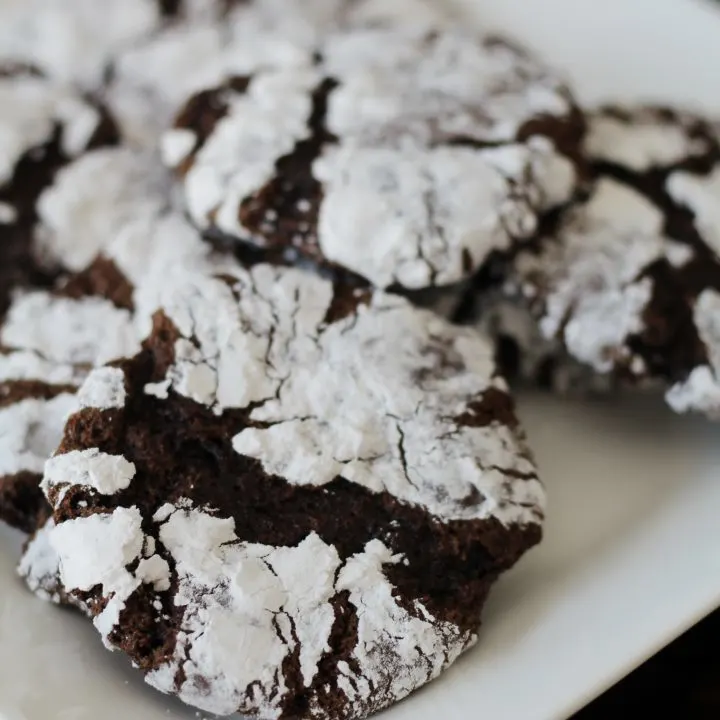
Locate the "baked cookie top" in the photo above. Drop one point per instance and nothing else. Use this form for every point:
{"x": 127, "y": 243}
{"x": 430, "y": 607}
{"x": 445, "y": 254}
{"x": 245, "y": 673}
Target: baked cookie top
{"x": 293, "y": 501}
{"x": 404, "y": 156}
{"x": 629, "y": 278}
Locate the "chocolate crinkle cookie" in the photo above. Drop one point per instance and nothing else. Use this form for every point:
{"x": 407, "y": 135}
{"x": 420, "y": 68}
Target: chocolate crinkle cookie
{"x": 271, "y": 509}
{"x": 626, "y": 280}
{"x": 404, "y": 156}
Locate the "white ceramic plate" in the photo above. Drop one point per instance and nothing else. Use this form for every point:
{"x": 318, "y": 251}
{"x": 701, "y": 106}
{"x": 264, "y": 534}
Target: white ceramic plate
{"x": 632, "y": 550}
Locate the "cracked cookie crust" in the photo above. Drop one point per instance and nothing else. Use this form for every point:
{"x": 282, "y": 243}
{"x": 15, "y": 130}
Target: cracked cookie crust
{"x": 276, "y": 510}
{"x": 405, "y": 157}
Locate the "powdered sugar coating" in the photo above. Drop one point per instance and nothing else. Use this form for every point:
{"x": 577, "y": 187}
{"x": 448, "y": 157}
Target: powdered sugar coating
{"x": 701, "y": 195}
{"x": 435, "y": 87}
{"x": 525, "y": 356}
{"x": 73, "y": 40}
{"x": 388, "y": 138}
{"x": 28, "y": 365}
{"x": 266, "y": 600}
{"x": 107, "y": 474}
{"x": 89, "y": 331}
{"x": 597, "y": 300}
{"x": 36, "y": 398}
{"x": 32, "y": 108}
{"x": 627, "y": 278}
{"x": 279, "y": 597}
{"x": 701, "y": 391}
{"x": 642, "y": 140}
{"x": 96, "y": 550}
{"x": 411, "y": 643}
{"x": 30, "y": 430}
{"x": 478, "y": 216}
{"x": 40, "y": 565}
{"x": 104, "y": 389}
{"x": 93, "y": 199}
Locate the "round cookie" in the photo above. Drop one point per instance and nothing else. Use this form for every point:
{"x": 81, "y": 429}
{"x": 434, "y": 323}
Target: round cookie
{"x": 403, "y": 156}
{"x": 628, "y": 280}
{"x": 294, "y": 501}
{"x": 43, "y": 127}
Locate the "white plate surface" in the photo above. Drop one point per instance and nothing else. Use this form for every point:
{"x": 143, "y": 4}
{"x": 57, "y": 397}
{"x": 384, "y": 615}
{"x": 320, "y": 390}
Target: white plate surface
{"x": 632, "y": 550}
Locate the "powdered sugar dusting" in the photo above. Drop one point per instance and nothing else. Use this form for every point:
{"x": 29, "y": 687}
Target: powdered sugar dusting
{"x": 414, "y": 647}
{"x": 641, "y": 142}
{"x": 90, "y": 330}
{"x": 506, "y": 317}
{"x": 96, "y": 550}
{"x": 260, "y": 127}
{"x": 28, "y": 365}
{"x": 94, "y": 198}
{"x": 73, "y": 40}
{"x": 256, "y": 603}
{"x": 153, "y": 77}
{"x": 411, "y": 183}
{"x": 32, "y": 107}
{"x": 435, "y": 86}
{"x": 103, "y": 389}
{"x": 40, "y": 565}
{"x": 30, "y": 431}
{"x": 108, "y": 474}
{"x": 701, "y": 391}
{"x": 701, "y": 195}
{"x": 596, "y": 298}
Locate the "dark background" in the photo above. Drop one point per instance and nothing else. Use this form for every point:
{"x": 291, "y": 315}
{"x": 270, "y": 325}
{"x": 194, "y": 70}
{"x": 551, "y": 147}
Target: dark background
{"x": 682, "y": 682}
